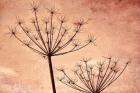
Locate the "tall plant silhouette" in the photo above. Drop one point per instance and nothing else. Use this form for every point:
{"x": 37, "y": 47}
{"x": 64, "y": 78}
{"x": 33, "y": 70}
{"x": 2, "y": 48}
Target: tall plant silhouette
{"x": 51, "y": 38}
{"x": 95, "y": 78}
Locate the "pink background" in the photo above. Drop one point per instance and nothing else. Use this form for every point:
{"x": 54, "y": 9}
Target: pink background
{"x": 115, "y": 23}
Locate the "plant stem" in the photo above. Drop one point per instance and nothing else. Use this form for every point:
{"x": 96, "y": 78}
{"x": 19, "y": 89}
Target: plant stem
{"x": 51, "y": 74}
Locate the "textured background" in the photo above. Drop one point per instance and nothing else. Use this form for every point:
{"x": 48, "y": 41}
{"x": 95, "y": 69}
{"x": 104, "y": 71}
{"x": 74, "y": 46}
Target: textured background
{"x": 115, "y": 23}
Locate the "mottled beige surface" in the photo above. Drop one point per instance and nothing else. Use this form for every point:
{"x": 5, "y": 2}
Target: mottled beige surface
{"x": 115, "y": 23}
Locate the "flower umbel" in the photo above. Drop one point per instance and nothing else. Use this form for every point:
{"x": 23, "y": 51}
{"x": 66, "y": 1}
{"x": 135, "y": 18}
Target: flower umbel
{"x": 92, "y": 80}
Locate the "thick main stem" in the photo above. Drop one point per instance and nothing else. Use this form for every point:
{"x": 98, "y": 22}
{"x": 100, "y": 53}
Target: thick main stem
{"x": 51, "y": 74}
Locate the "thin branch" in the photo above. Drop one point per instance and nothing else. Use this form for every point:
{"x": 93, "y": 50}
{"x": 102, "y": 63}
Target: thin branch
{"x": 39, "y": 32}
{"x": 72, "y": 50}
{"x": 47, "y": 34}
{"x": 90, "y": 83}
{"x": 105, "y": 80}
{"x": 109, "y": 81}
{"x": 58, "y": 35}
{"x": 105, "y": 71}
{"x": 73, "y": 87}
{"x": 27, "y": 34}
{"x": 56, "y": 48}
{"x": 84, "y": 78}
{"x": 73, "y": 82}
{"x": 37, "y": 51}
{"x": 69, "y": 41}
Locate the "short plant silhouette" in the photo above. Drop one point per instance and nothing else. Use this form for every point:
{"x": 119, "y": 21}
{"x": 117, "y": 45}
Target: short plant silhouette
{"x": 51, "y": 37}
{"x": 93, "y": 78}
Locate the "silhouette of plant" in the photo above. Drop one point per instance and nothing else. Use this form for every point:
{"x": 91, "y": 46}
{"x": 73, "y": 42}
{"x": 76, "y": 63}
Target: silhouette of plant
{"x": 93, "y": 78}
{"x": 52, "y": 40}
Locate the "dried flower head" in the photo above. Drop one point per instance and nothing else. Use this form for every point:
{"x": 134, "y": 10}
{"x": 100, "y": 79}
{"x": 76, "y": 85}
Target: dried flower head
{"x": 34, "y": 6}
{"x": 13, "y": 31}
{"x": 94, "y": 81}
{"x": 80, "y": 22}
{"x": 91, "y": 39}
{"x": 85, "y": 60}
{"x": 19, "y": 21}
{"x": 52, "y": 11}
{"x": 62, "y": 69}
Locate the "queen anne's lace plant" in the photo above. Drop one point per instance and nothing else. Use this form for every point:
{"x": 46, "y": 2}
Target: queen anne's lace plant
{"x": 93, "y": 78}
{"x": 51, "y": 37}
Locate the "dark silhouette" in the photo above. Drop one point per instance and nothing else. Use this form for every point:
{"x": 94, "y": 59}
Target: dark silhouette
{"x": 93, "y": 78}
{"x": 54, "y": 40}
